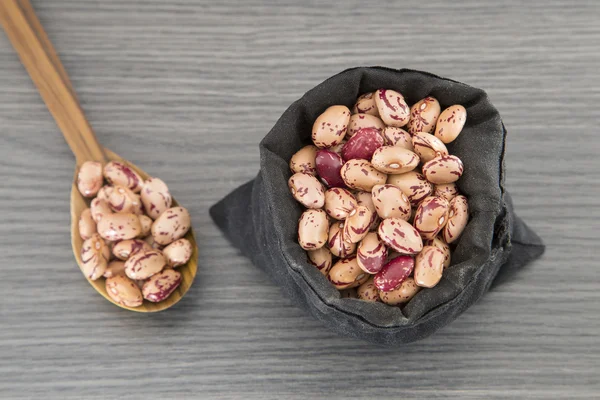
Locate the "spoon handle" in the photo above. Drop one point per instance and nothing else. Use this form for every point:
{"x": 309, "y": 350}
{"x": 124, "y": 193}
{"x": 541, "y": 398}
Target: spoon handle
{"x": 38, "y": 29}
{"x": 48, "y": 74}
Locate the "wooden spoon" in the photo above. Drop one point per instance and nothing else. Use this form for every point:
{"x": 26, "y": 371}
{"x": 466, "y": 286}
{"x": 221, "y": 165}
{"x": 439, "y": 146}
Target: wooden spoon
{"x": 41, "y": 61}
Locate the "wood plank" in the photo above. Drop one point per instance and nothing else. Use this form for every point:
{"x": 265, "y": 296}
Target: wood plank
{"x": 186, "y": 89}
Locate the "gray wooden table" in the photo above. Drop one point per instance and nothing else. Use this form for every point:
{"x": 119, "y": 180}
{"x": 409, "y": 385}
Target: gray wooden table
{"x": 186, "y": 89}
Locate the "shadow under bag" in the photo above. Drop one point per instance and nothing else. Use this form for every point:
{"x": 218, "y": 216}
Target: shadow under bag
{"x": 260, "y": 217}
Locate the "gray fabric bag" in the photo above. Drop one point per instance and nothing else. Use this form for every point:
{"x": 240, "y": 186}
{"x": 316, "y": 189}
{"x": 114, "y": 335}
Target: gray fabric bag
{"x": 260, "y": 217}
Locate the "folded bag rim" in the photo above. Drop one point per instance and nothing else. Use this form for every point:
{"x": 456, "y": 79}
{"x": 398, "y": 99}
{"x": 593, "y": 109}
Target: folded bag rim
{"x": 271, "y": 180}
{"x": 246, "y": 219}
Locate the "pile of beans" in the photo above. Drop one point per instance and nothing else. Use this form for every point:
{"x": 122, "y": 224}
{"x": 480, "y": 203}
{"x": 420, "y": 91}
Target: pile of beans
{"x": 132, "y": 236}
{"x": 380, "y": 195}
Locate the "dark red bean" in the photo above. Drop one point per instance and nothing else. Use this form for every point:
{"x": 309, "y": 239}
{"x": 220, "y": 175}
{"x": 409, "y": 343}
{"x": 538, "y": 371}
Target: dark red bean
{"x": 328, "y": 166}
{"x": 362, "y": 145}
{"x": 394, "y": 273}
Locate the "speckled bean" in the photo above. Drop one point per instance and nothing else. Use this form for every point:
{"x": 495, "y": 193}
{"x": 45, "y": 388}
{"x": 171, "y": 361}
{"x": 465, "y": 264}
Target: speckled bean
{"x": 400, "y": 236}
{"x": 87, "y": 225}
{"x": 160, "y": 286}
{"x": 443, "y": 169}
{"x": 413, "y": 185}
{"x": 443, "y": 246}
{"x": 390, "y": 202}
{"x": 360, "y": 174}
{"x": 307, "y": 190}
{"x": 144, "y": 264}
{"x": 171, "y": 225}
{"x": 371, "y": 254}
{"x": 364, "y": 199}
{"x": 457, "y": 219}
{"x": 397, "y": 137}
{"x": 123, "y": 200}
{"x": 392, "y": 107}
{"x": 329, "y": 165}
{"x": 446, "y": 190}
{"x": 124, "y": 291}
{"x": 365, "y": 105}
{"x": 428, "y": 146}
{"x": 146, "y": 223}
{"x": 394, "y": 273}
{"x": 304, "y": 160}
{"x": 178, "y": 252}
{"x": 361, "y": 121}
{"x": 114, "y": 268}
{"x": 403, "y": 294}
{"x": 347, "y": 274}
{"x": 431, "y": 216}
{"x": 424, "y": 115}
{"x": 368, "y": 292}
{"x": 429, "y": 266}
{"x": 362, "y": 145}
{"x": 118, "y": 173}
{"x": 94, "y": 257}
{"x": 126, "y": 248}
{"x": 331, "y": 126}
{"x": 339, "y": 203}
{"x": 99, "y": 208}
{"x": 394, "y": 160}
{"x": 313, "y": 229}
{"x": 337, "y": 243}
{"x": 89, "y": 178}
{"x": 357, "y": 224}
{"x": 105, "y": 192}
{"x": 450, "y": 123}
{"x": 119, "y": 226}
{"x": 321, "y": 258}
{"x": 156, "y": 197}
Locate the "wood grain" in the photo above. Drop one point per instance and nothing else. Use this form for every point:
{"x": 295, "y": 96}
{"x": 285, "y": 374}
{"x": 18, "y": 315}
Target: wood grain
{"x": 55, "y": 91}
{"x": 187, "y": 89}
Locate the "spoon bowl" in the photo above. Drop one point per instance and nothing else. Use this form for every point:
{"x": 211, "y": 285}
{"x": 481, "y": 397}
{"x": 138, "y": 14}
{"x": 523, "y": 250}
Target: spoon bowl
{"x": 188, "y": 270}
{"x": 39, "y": 58}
